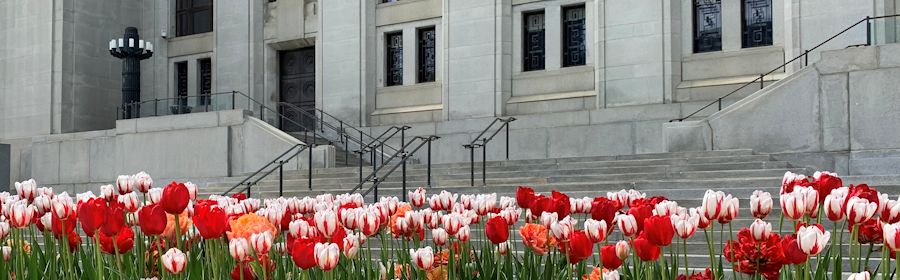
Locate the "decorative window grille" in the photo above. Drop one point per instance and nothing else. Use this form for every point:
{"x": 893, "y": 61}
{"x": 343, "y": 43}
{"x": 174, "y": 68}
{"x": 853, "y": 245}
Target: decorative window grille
{"x": 573, "y": 37}
{"x": 394, "y": 58}
{"x": 426, "y": 55}
{"x": 707, "y": 25}
{"x": 533, "y": 45}
{"x": 756, "y": 25}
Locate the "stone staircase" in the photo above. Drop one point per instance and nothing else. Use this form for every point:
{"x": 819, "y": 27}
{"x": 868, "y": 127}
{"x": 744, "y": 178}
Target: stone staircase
{"x": 682, "y": 176}
{"x": 342, "y": 157}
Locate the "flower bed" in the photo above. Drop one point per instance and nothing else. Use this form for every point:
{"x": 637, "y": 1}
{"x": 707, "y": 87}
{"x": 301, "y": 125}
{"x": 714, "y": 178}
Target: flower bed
{"x": 133, "y": 231}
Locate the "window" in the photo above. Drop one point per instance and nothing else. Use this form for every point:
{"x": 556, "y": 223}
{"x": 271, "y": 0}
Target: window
{"x": 707, "y": 25}
{"x": 205, "y": 66}
{"x": 426, "y": 55}
{"x": 533, "y": 45}
{"x": 573, "y": 36}
{"x": 181, "y": 79}
{"x": 193, "y": 17}
{"x": 756, "y": 25}
{"x": 393, "y": 58}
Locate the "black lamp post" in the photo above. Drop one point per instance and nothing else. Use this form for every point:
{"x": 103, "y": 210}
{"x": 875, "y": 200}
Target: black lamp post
{"x": 131, "y": 49}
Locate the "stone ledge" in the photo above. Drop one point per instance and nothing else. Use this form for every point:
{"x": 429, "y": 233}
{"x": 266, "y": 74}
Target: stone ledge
{"x": 846, "y": 60}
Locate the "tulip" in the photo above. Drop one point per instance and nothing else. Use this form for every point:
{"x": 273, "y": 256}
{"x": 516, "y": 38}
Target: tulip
{"x": 352, "y": 244}
{"x": 27, "y": 189}
{"x": 120, "y": 243}
{"x": 175, "y": 198}
{"x": 730, "y": 206}
{"x": 4, "y": 229}
{"x": 711, "y": 207}
{"x": 439, "y": 236}
{"x": 524, "y": 196}
{"x": 108, "y": 192}
{"x": 511, "y": 215}
{"x": 452, "y": 223}
{"x": 423, "y": 258}
{"x": 811, "y": 200}
{"x": 563, "y": 229}
{"x": 503, "y": 248}
{"x": 609, "y": 258}
{"x": 114, "y": 220}
{"x": 192, "y": 190}
{"x": 659, "y": 230}
{"x": 417, "y": 197}
{"x": 645, "y": 250}
{"x": 262, "y": 242}
{"x": 42, "y": 204}
{"x": 760, "y": 230}
{"x": 155, "y": 195}
{"x": 303, "y": 253}
{"x": 7, "y": 252}
{"x": 211, "y": 220}
{"x": 611, "y": 275}
{"x": 238, "y": 248}
{"x": 326, "y": 222}
{"x": 580, "y": 205}
{"x": 152, "y": 219}
{"x": 463, "y": 234}
{"x": 327, "y": 255}
{"x": 368, "y": 222}
{"x": 825, "y": 182}
{"x": 812, "y": 239}
{"x": 549, "y": 218}
{"x": 622, "y": 249}
{"x": 62, "y": 206}
{"x": 891, "y": 212}
{"x": 578, "y": 247}
{"x": 174, "y": 261}
{"x": 760, "y": 204}
{"x": 666, "y": 208}
{"x": 627, "y": 224}
{"x": 143, "y": 182}
{"x": 834, "y": 204}
{"x": 686, "y": 224}
{"x": 125, "y": 184}
{"x": 790, "y": 180}
{"x": 21, "y": 214}
{"x": 130, "y": 202}
{"x": 859, "y": 276}
{"x": 496, "y": 230}
{"x": 891, "y": 234}
{"x": 860, "y": 210}
{"x": 793, "y": 205}
{"x": 596, "y": 230}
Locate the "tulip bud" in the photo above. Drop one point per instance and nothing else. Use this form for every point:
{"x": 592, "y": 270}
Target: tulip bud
{"x": 326, "y": 222}
{"x": 143, "y": 182}
{"x": 439, "y": 236}
{"x": 4, "y": 230}
{"x": 327, "y": 255}
{"x": 860, "y": 210}
{"x": 548, "y": 218}
{"x": 130, "y": 201}
{"x": 793, "y": 205}
{"x": 891, "y": 234}
{"x": 27, "y": 189}
{"x": 834, "y": 204}
{"x": 463, "y": 234}
{"x": 627, "y": 224}
{"x": 352, "y": 244}
{"x": 238, "y": 248}
{"x": 155, "y": 194}
{"x": 423, "y": 258}
{"x": 262, "y": 242}
{"x": 417, "y": 197}
{"x": 686, "y": 224}
{"x": 174, "y": 261}
{"x": 192, "y": 190}
{"x": 622, "y": 249}
{"x": 812, "y": 239}
{"x": 125, "y": 184}
{"x": 7, "y": 252}
{"x": 859, "y": 276}
{"x": 563, "y": 229}
{"x": 666, "y": 208}
{"x": 595, "y": 230}
{"x": 760, "y": 230}
{"x": 760, "y": 204}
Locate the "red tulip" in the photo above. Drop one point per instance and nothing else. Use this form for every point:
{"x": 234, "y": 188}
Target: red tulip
{"x": 92, "y": 214}
{"x": 540, "y": 205}
{"x": 791, "y": 180}
{"x": 609, "y": 258}
{"x": 243, "y": 271}
{"x": 862, "y": 191}
{"x": 645, "y": 250}
{"x": 578, "y": 248}
{"x": 604, "y": 209}
{"x": 750, "y": 257}
{"x": 825, "y": 182}
{"x": 115, "y": 219}
{"x": 561, "y": 204}
{"x": 704, "y": 275}
{"x": 211, "y": 221}
{"x": 641, "y": 213}
{"x": 496, "y": 230}
{"x": 659, "y": 230}
{"x": 792, "y": 252}
{"x": 57, "y": 226}
{"x": 152, "y": 219}
{"x": 303, "y": 253}
{"x": 239, "y": 196}
{"x": 524, "y": 197}
{"x": 869, "y": 232}
{"x": 124, "y": 241}
{"x": 175, "y": 198}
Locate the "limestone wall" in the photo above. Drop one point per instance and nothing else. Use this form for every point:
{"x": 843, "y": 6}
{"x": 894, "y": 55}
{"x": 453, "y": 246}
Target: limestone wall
{"x": 201, "y": 147}
{"x": 842, "y": 109}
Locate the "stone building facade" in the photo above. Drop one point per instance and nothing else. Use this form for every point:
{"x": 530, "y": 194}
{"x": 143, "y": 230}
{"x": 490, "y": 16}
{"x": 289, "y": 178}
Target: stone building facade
{"x": 584, "y": 77}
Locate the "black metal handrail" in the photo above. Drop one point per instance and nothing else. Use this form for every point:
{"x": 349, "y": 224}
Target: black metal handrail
{"x": 180, "y": 101}
{"x": 479, "y": 142}
{"x": 805, "y": 56}
{"x": 404, "y": 157}
{"x": 341, "y": 129}
{"x": 277, "y": 163}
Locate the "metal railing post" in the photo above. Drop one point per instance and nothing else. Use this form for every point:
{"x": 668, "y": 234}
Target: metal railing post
{"x": 281, "y": 178}
{"x": 403, "y": 173}
{"x": 472, "y": 165}
{"x": 720, "y": 104}
{"x": 309, "y": 149}
{"x": 761, "y": 78}
{"x": 507, "y": 139}
{"x": 484, "y": 163}
{"x": 156, "y": 106}
{"x": 361, "y": 150}
{"x": 429, "y": 162}
{"x": 868, "y": 31}
{"x": 262, "y": 114}
{"x": 806, "y": 58}
{"x": 249, "y": 188}
{"x": 232, "y": 100}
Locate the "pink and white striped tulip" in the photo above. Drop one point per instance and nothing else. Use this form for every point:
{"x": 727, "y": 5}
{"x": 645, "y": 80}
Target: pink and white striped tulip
{"x": 463, "y": 234}
{"x": 155, "y": 194}
{"x": 760, "y": 230}
{"x": 327, "y": 255}
{"x": 262, "y": 242}
{"x": 595, "y": 230}
{"x": 7, "y": 252}
{"x": 108, "y": 192}
{"x": 174, "y": 261}
{"x": 860, "y": 210}
{"x": 453, "y": 222}
{"x": 627, "y": 224}
{"x": 439, "y": 236}
{"x": 891, "y": 212}
{"x": 859, "y": 276}
{"x": 368, "y": 221}
{"x": 730, "y": 206}
{"x": 686, "y": 224}
{"x": 238, "y": 248}
{"x": 891, "y": 234}
{"x": 326, "y": 222}
{"x": 130, "y": 201}
{"x": 21, "y": 214}
{"x": 666, "y": 208}
{"x": 711, "y": 207}
{"x": 26, "y": 189}
{"x": 760, "y": 204}
{"x": 423, "y": 258}
{"x": 4, "y": 229}
{"x": 143, "y": 182}
{"x": 622, "y": 249}
{"x": 125, "y": 184}
{"x": 834, "y": 204}
{"x": 352, "y": 243}
{"x": 793, "y": 205}
{"x": 417, "y": 197}
{"x": 563, "y": 229}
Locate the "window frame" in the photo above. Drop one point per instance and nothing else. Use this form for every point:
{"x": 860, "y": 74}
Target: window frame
{"x": 695, "y": 18}
{"x": 389, "y": 58}
{"x": 421, "y": 73}
{"x": 565, "y": 51}
{"x": 745, "y": 28}
{"x": 187, "y": 9}
{"x": 527, "y": 67}
{"x": 204, "y": 98}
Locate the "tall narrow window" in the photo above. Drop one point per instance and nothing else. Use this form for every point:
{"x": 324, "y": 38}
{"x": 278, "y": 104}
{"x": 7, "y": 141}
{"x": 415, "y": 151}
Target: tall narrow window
{"x": 756, "y": 25}
{"x": 181, "y": 87}
{"x": 707, "y": 25}
{"x": 205, "y": 66}
{"x": 426, "y": 55}
{"x": 393, "y": 58}
{"x": 573, "y": 36}
{"x": 193, "y": 17}
{"x": 533, "y": 44}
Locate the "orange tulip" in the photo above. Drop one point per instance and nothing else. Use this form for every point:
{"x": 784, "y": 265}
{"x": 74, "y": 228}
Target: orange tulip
{"x": 537, "y": 238}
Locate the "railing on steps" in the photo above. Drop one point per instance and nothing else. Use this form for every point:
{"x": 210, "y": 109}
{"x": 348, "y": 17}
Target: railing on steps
{"x": 482, "y": 143}
{"x": 275, "y": 164}
{"x": 805, "y": 56}
{"x": 404, "y": 155}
